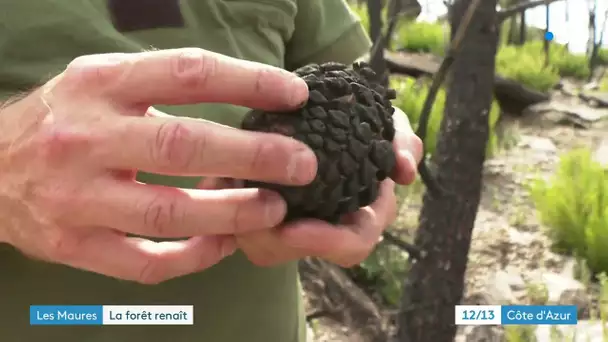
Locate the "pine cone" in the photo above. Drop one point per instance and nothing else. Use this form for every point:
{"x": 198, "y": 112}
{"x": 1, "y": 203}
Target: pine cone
{"x": 347, "y": 121}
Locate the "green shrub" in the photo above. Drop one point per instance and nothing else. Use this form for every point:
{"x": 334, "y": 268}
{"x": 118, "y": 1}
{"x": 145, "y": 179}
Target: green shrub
{"x": 566, "y": 63}
{"x": 526, "y": 64}
{"x": 419, "y": 36}
{"x": 409, "y": 35}
{"x": 384, "y": 270}
{"x": 410, "y": 98}
{"x": 602, "y": 56}
{"x": 573, "y": 205}
{"x": 517, "y": 63}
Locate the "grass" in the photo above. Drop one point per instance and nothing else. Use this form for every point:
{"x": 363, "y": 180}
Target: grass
{"x": 573, "y": 205}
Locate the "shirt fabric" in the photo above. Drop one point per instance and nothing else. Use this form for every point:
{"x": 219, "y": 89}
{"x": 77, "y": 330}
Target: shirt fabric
{"x": 233, "y": 301}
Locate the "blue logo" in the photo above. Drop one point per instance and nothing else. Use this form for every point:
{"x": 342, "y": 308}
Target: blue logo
{"x": 549, "y": 36}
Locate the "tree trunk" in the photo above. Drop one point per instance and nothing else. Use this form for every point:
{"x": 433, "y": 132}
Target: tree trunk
{"x": 512, "y": 37}
{"x": 546, "y": 41}
{"x": 522, "y": 28}
{"x": 374, "y": 11}
{"x": 435, "y": 283}
{"x": 591, "y": 28}
{"x": 567, "y": 20}
{"x": 593, "y": 59}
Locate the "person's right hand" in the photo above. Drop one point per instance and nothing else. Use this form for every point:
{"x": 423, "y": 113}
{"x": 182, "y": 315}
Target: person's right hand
{"x": 70, "y": 149}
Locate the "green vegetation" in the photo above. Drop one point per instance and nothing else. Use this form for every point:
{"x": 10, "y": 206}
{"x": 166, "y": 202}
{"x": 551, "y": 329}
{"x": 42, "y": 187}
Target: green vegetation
{"x": 525, "y": 64}
{"x": 518, "y": 63}
{"x": 573, "y": 204}
{"x": 526, "y": 333}
{"x": 419, "y": 36}
{"x": 384, "y": 270}
{"x": 410, "y": 98}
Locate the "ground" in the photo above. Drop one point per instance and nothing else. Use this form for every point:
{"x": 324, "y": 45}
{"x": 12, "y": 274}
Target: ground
{"x": 510, "y": 255}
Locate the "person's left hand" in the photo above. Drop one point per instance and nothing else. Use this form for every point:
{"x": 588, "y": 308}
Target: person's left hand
{"x": 355, "y": 237}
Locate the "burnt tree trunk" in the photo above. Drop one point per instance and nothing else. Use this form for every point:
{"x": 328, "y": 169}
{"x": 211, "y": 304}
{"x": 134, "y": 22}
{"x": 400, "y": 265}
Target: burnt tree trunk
{"x": 591, "y": 29}
{"x": 512, "y": 38}
{"x": 377, "y": 62}
{"x": 567, "y": 20}
{"x": 597, "y": 45}
{"x": 435, "y": 283}
{"x": 522, "y": 28}
{"x": 547, "y": 42}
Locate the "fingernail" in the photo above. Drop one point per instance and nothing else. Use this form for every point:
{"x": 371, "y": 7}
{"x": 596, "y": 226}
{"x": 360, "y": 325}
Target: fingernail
{"x": 298, "y": 92}
{"x": 228, "y": 246}
{"x": 302, "y": 166}
{"x": 417, "y": 148}
{"x": 275, "y": 207}
{"x": 410, "y": 159}
{"x": 403, "y": 143}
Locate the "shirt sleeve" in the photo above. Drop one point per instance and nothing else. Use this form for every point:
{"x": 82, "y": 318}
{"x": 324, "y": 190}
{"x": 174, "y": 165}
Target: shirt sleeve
{"x": 325, "y": 30}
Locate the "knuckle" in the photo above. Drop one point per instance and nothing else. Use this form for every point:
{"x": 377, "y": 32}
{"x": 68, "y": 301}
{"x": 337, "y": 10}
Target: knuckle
{"x": 95, "y": 70}
{"x": 259, "y": 155}
{"x": 152, "y": 272}
{"x": 56, "y": 201}
{"x": 238, "y": 218}
{"x": 193, "y": 67}
{"x": 173, "y": 146}
{"x": 262, "y": 77}
{"x": 62, "y": 245}
{"x": 160, "y": 214}
{"x": 58, "y": 145}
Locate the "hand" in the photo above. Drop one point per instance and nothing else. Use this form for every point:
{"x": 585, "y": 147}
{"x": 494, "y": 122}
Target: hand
{"x": 69, "y": 151}
{"x": 350, "y": 242}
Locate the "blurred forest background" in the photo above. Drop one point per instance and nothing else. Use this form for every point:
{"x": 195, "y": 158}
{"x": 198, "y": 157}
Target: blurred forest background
{"x": 518, "y": 137}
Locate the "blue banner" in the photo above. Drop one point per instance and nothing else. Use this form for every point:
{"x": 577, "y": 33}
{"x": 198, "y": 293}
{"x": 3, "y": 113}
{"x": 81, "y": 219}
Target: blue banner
{"x": 539, "y": 315}
{"x": 66, "y": 315}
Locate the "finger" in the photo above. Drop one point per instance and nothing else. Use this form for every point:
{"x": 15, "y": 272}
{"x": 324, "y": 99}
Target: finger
{"x": 266, "y": 248}
{"x": 185, "y": 76}
{"x": 145, "y": 261}
{"x": 186, "y": 146}
{"x": 159, "y": 211}
{"x": 406, "y": 139}
{"x": 406, "y": 168}
{"x": 352, "y": 240}
{"x": 408, "y": 148}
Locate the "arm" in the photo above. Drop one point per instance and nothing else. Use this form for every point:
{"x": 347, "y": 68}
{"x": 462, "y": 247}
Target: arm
{"x": 326, "y": 30}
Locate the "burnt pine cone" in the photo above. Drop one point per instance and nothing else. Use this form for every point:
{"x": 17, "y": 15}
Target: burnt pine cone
{"x": 348, "y": 123}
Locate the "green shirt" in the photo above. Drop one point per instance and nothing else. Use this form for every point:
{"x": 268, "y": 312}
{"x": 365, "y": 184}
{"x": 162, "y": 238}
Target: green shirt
{"x": 233, "y": 301}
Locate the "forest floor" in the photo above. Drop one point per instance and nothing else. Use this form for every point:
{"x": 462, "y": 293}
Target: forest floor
{"x": 510, "y": 259}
